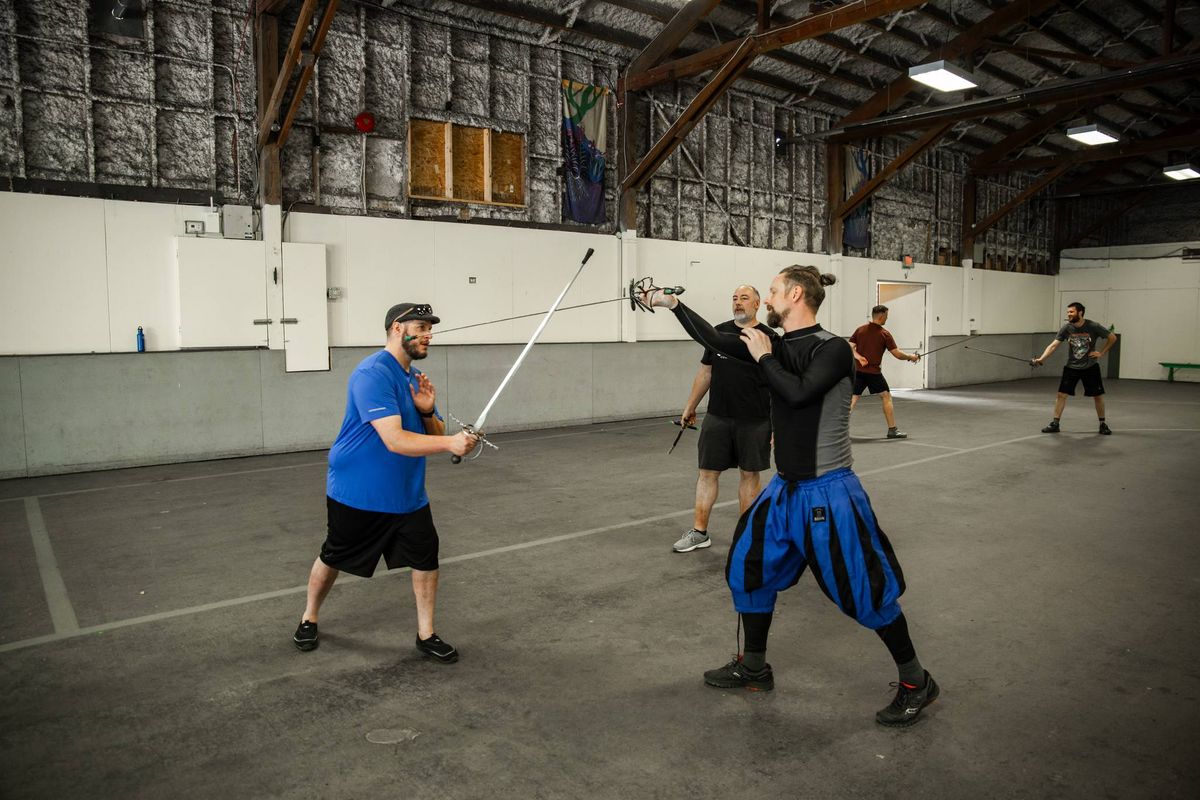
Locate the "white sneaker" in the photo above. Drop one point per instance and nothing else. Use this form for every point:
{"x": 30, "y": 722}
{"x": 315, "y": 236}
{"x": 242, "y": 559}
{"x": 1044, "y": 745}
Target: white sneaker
{"x": 692, "y": 540}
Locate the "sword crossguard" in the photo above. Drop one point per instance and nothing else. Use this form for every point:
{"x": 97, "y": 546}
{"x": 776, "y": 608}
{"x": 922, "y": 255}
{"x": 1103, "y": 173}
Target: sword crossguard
{"x": 471, "y": 429}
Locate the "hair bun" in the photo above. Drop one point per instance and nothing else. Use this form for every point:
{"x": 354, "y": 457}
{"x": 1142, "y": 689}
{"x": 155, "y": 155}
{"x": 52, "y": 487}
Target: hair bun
{"x": 828, "y": 279}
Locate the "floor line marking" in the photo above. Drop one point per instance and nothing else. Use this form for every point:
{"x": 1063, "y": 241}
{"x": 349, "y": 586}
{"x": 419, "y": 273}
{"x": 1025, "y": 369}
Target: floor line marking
{"x": 323, "y": 462}
{"x": 939, "y": 446}
{"x": 346, "y": 579}
{"x": 62, "y": 613}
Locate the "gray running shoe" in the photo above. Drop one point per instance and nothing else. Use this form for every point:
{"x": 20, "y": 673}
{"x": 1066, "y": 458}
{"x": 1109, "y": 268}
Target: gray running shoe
{"x": 692, "y": 540}
{"x": 895, "y": 434}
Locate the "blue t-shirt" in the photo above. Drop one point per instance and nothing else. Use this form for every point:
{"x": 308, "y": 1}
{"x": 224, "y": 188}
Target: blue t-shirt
{"x": 363, "y": 473}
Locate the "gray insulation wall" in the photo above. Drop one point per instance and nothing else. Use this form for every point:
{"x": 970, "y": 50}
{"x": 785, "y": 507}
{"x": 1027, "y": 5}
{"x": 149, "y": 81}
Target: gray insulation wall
{"x": 176, "y": 111}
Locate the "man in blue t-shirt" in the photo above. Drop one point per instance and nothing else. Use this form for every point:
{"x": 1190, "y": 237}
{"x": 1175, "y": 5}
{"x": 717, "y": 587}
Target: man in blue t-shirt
{"x": 375, "y": 490}
{"x": 1083, "y": 363}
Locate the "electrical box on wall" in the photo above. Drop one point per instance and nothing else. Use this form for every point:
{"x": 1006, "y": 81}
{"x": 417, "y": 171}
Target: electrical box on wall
{"x": 237, "y": 222}
{"x": 211, "y": 218}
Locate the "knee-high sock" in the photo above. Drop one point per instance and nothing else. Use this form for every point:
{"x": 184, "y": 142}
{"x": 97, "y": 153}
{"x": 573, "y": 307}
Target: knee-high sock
{"x": 899, "y": 644}
{"x": 757, "y": 627}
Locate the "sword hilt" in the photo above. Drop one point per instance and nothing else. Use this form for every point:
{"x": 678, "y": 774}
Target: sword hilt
{"x": 471, "y": 429}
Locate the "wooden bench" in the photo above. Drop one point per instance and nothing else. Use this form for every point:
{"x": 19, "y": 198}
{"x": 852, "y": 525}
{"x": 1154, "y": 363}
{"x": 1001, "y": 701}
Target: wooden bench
{"x": 1172, "y": 367}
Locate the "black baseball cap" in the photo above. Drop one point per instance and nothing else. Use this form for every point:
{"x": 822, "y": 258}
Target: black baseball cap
{"x": 405, "y": 312}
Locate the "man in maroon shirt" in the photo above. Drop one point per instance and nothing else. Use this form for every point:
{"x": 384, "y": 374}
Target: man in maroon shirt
{"x": 869, "y": 343}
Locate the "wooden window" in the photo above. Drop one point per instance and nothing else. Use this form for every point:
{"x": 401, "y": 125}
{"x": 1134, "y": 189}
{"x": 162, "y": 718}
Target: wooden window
{"x": 465, "y": 164}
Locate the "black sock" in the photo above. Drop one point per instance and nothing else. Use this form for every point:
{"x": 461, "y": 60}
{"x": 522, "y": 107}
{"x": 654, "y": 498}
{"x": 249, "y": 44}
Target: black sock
{"x": 1056, "y": 420}
{"x": 757, "y": 627}
{"x": 1102, "y": 419}
{"x": 899, "y": 644}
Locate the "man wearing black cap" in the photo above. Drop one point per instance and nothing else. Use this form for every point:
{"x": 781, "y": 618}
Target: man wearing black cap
{"x": 375, "y": 490}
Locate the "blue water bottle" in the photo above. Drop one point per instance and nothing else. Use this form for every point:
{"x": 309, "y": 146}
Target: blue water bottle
{"x": 141, "y": 340}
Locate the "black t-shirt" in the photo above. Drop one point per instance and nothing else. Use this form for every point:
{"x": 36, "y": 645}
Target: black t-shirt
{"x": 1081, "y": 341}
{"x": 739, "y": 390}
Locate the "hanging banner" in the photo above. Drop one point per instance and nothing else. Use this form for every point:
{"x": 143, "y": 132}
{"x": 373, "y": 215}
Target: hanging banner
{"x": 856, "y": 228}
{"x": 584, "y": 140}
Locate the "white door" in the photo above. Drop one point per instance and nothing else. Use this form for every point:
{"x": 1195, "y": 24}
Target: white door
{"x": 305, "y": 308}
{"x": 906, "y": 322}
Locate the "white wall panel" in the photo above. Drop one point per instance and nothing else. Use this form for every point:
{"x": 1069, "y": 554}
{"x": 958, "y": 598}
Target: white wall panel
{"x": 1155, "y": 325}
{"x": 1012, "y": 302}
{"x": 142, "y": 279}
{"x": 53, "y": 281}
{"x": 329, "y": 230}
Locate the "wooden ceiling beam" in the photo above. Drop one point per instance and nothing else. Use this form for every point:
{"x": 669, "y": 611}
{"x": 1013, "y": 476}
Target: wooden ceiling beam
{"x": 310, "y": 62}
{"x": 290, "y": 59}
{"x": 672, "y": 34}
{"x": 805, "y": 28}
{"x": 712, "y": 91}
{"x": 871, "y": 185}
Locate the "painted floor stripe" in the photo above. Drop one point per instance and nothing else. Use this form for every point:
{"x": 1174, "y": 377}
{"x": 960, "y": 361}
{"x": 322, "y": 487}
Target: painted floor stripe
{"x": 346, "y": 579}
{"x": 61, "y": 611}
{"x": 322, "y": 463}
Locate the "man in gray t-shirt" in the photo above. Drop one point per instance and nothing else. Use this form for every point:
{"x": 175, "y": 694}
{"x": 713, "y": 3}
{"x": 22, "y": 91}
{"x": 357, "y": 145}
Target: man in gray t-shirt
{"x": 1083, "y": 363}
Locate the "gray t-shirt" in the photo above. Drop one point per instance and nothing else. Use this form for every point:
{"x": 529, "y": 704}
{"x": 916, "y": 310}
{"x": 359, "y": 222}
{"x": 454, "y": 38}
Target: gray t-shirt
{"x": 1081, "y": 341}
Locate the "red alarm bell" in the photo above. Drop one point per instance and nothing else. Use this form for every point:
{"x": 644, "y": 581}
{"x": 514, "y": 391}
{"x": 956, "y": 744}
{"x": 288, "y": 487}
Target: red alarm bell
{"x": 365, "y": 122}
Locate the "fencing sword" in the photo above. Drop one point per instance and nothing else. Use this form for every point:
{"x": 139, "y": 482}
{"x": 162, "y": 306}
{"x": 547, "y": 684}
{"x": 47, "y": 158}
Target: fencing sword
{"x": 682, "y": 428}
{"x": 952, "y": 344}
{"x": 1028, "y": 361}
{"x": 477, "y": 427}
{"x": 635, "y": 287}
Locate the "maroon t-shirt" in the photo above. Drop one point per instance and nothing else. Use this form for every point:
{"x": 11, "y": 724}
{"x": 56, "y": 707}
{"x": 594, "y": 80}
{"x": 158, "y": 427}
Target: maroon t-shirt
{"x": 872, "y": 341}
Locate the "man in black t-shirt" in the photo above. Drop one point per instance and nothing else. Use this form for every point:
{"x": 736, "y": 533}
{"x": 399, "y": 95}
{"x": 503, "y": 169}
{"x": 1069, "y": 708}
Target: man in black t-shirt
{"x": 1083, "y": 363}
{"x": 737, "y": 428}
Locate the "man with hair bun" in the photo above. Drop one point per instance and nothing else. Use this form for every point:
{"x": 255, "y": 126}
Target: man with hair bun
{"x": 814, "y": 511}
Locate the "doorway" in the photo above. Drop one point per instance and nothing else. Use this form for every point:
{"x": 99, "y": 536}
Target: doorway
{"x": 906, "y": 321}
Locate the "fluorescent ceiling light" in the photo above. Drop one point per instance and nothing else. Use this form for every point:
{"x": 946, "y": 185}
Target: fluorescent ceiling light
{"x": 1092, "y": 134}
{"x": 1181, "y": 172}
{"x": 943, "y": 76}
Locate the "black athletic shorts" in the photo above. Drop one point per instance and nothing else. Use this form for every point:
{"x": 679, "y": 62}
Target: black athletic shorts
{"x": 743, "y": 443}
{"x": 870, "y": 380}
{"x": 357, "y": 538}
{"x": 1093, "y": 386}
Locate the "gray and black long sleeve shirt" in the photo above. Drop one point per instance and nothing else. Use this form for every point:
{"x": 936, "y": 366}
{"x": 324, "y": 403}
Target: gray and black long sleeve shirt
{"x": 810, "y": 372}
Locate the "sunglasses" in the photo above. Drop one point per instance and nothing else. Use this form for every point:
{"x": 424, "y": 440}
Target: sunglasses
{"x": 423, "y": 310}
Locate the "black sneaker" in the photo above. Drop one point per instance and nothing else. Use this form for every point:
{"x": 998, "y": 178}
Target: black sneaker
{"x": 1051, "y": 428}
{"x": 306, "y": 636}
{"x": 438, "y": 650}
{"x": 734, "y": 675}
{"x": 908, "y": 702}
{"x": 1104, "y": 429}
{"x": 895, "y": 434}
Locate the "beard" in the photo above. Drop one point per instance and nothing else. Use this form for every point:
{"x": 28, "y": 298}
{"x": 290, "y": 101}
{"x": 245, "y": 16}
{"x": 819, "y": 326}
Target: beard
{"x": 774, "y": 318}
{"x": 414, "y": 350}
{"x": 741, "y": 317}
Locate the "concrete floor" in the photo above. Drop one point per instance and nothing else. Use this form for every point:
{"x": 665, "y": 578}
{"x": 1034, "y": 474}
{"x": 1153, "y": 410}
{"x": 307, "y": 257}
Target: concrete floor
{"x": 1053, "y": 592}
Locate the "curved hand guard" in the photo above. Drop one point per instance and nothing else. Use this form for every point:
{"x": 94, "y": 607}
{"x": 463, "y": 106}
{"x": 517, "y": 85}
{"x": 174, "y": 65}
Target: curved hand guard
{"x": 647, "y": 285}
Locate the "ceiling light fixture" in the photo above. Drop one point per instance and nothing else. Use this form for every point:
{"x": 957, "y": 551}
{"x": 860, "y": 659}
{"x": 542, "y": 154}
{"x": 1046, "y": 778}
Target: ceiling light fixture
{"x": 943, "y": 76}
{"x": 1181, "y": 172}
{"x": 1092, "y": 135}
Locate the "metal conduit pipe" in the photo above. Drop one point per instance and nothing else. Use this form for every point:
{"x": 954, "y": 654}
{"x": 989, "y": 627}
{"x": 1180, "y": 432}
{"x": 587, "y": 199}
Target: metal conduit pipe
{"x": 233, "y": 82}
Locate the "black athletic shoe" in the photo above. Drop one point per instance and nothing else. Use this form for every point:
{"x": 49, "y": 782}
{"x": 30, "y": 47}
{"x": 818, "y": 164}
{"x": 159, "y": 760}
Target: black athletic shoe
{"x": 306, "y": 636}
{"x": 895, "y": 434}
{"x": 908, "y": 702}
{"x": 1104, "y": 429}
{"x": 734, "y": 675}
{"x": 1051, "y": 428}
{"x": 438, "y": 650}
